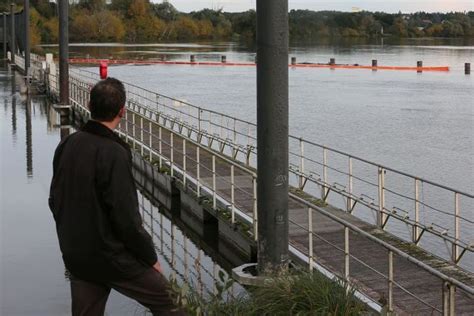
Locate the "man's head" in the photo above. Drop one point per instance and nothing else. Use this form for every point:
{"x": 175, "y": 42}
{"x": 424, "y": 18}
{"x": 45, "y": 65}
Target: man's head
{"x": 107, "y": 100}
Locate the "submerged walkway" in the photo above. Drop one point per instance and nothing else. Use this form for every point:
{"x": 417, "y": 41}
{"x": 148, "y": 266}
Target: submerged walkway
{"x": 415, "y": 291}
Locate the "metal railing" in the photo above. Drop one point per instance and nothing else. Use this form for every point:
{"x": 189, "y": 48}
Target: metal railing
{"x": 144, "y": 129}
{"x": 173, "y": 143}
{"x": 450, "y": 289}
{"x": 368, "y": 189}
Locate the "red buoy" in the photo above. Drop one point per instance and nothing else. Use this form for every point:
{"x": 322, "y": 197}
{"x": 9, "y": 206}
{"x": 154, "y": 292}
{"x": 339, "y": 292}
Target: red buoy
{"x": 103, "y": 69}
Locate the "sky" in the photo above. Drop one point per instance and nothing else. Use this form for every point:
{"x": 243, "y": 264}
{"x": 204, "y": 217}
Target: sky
{"x": 391, "y": 6}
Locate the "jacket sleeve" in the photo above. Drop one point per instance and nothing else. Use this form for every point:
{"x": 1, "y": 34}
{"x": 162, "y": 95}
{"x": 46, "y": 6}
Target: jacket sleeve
{"x": 120, "y": 198}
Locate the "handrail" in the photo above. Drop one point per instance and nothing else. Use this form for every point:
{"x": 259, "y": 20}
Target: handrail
{"x": 386, "y": 245}
{"x": 383, "y": 212}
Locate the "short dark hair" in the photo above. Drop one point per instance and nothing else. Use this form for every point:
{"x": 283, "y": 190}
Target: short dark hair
{"x": 107, "y": 99}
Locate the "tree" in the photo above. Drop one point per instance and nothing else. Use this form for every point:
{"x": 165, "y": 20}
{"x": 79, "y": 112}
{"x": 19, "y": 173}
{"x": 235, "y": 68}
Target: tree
{"x": 165, "y": 11}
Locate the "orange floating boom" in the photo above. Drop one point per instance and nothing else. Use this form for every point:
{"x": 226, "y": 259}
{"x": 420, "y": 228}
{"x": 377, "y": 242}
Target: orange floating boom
{"x": 93, "y": 61}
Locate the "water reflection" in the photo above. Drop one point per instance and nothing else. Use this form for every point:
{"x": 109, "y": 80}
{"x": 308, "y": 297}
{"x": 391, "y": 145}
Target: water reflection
{"x": 13, "y": 100}
{"x": 29, "y": 138}
{"x": 181, "y": 252}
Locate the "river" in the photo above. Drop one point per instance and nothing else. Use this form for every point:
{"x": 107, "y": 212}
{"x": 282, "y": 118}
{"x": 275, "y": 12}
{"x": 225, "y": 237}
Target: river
{"x": 32, "y": 275}
{"x": 418, "y": 123}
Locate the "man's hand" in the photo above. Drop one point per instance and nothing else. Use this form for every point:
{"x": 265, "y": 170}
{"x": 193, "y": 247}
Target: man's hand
{"x": 157, "y": 267}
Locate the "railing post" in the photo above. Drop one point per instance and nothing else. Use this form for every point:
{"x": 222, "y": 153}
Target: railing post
{"x": 301, "y": 164}
{"x": 349, "y": 199}
{"x": 449, "y": 292}
{"x": 232, "y": 193}
{"x": 381, "y": 217}
{"x": 160, "y": 146}
{"x": 235, "y": 132}
{"x": 222, "y": 128}
{"x": 310, "y": 239}
{"x": 347, "y": 256}
{"x": 141, "y": 135}
{"x": 150, "y": 135}
{"x": 324, "y": 189}
{"x": 172, "y": 153}
{"x": 210, "y": 132}
{"x": 390, "y": 281}
{"x": 416, "y": 228}
{"x": 133, "y": 130}
{"x": 198, "y": 172}
{"x": 199, "y": 120}
{"x": 126, "y": 124}
{"x": 445, "y": 298}
{"x": 184, "y": 162}
{"x": 214, "y": 195}
{"x": 255, "y": 204}
{"x": 457, "y": 229}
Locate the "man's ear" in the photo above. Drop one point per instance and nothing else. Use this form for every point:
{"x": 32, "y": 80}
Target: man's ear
{"x": 122, "y": 112}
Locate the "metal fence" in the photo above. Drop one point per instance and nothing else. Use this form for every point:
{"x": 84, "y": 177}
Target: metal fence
{"x": 371, "y": 191}
{"x": 188, "y": 141}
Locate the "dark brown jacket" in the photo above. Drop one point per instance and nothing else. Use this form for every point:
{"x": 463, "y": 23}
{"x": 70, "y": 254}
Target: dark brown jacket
{"x": 94, "y": 203}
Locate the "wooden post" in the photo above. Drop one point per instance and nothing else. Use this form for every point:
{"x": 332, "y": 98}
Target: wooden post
{"x": 192, "y": 59}
{"x": 223, "y": 59}
{"x": 467, "y": 68}
{"x": 419, "y": 65}
{"x": 293, "y": 61}
{"x": 374, "y": 64}
{"x": 332, "y": 61}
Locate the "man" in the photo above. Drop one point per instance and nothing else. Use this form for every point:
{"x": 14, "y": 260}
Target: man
{"x": 94, "y": 203}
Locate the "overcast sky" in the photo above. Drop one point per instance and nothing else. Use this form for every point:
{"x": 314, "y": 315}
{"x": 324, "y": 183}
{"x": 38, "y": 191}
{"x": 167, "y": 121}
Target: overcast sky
{"x": 339, "y": 5}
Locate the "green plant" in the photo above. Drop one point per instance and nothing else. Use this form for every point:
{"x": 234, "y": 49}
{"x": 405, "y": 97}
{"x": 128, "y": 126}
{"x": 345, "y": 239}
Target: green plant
{"x": 300, "y": 293}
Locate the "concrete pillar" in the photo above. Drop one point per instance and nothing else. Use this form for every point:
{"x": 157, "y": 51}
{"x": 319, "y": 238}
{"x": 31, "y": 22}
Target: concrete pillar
{"x": 26, "y": 16}
{"x": 63, "y": 52}
{"x": 272, "y": 135}
{"x": 4, "y": 18}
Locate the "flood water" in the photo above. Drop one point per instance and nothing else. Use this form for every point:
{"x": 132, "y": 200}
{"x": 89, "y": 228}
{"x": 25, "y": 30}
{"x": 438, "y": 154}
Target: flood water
{"x": 32, "y": 274}
{"x": 418, "y": 123}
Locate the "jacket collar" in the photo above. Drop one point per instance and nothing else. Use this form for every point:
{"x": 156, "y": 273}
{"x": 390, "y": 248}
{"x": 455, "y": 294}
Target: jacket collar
{"x": 96, "y": 128}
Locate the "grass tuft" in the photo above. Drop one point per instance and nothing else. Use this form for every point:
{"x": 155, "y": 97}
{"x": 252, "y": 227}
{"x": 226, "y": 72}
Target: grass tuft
{"x": 297, "y": 294}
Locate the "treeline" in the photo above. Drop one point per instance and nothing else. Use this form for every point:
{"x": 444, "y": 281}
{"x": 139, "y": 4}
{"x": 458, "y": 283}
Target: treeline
{"x": 144, "y": 21}
{"x": 305, "y": 24}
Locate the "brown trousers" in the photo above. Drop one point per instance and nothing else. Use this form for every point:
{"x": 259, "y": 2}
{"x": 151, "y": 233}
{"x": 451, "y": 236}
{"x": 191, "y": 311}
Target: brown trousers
{"x": 149, "y": 289}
